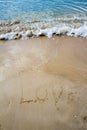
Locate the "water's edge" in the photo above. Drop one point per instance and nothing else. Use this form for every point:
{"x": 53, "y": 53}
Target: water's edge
{"x": 19, "y": 30}
{"x": 25, "y": 19}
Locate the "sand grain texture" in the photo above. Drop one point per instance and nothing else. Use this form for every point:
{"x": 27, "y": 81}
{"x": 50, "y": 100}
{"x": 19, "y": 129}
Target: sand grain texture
{"x": 43, "y": 84}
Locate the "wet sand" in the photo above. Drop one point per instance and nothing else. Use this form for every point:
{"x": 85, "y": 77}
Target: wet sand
{"x": 43, "y": 84}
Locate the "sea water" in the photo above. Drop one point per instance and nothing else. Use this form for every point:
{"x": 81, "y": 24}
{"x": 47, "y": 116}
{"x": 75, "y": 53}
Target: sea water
{"x": 32, "y": 18}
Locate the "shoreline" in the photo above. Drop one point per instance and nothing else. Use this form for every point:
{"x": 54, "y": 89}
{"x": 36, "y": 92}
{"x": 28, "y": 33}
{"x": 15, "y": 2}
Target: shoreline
{"x": 43, "y": 84}
{"x": 25, "y": 31}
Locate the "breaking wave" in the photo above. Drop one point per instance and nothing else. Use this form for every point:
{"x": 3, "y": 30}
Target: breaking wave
{"x": 32, "y": 18}
{"x": 74, "y": 26}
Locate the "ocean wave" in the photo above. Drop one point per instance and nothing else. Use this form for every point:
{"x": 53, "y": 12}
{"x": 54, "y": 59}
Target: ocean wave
{"x": 76, "y": 26}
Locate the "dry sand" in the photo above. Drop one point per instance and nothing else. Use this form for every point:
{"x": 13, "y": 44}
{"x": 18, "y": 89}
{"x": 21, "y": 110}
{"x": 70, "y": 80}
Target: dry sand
{"x": 43, "y": 84}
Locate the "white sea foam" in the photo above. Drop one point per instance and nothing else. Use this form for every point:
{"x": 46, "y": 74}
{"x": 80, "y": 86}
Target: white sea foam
{"x": 37, "y": 30}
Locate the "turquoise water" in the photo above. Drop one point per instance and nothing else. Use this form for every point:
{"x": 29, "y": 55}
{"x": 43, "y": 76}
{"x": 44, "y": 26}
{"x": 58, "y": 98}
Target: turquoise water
{"x": 40, "y": 14}
{"x": 52, "y": 8}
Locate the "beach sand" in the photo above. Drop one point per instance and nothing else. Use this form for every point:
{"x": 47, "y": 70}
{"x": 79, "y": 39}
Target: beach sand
{"x": 43, "y": 84}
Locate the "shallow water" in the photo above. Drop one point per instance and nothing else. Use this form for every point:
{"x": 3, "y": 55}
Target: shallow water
{"x": 38, "y": 14}
{"x": 52, "y": 8}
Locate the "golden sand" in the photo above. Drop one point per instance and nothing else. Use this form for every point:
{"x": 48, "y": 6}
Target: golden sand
{"x": 43, "y": 84}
